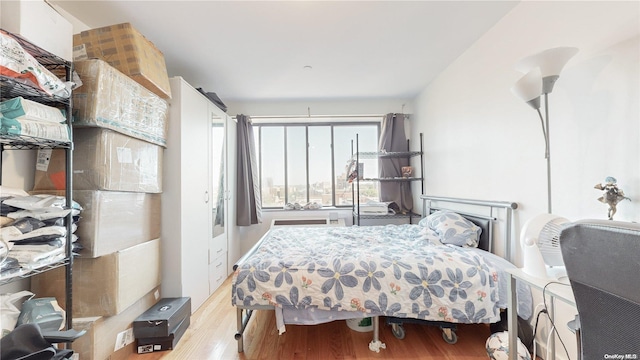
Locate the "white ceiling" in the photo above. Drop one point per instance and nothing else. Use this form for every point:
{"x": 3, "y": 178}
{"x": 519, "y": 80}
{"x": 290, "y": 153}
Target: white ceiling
{"x": 257, "y": 50}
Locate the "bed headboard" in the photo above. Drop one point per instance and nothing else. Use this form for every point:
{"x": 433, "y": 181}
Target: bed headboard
{"x": 484, "y": 217}
{"x": 486, "y": 241}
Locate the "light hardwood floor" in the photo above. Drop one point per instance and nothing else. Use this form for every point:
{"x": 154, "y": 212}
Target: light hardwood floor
{"x": 210, "y": 336}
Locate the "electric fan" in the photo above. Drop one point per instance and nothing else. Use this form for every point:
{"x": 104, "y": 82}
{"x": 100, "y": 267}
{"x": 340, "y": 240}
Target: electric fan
{"x": 540, "y": 242}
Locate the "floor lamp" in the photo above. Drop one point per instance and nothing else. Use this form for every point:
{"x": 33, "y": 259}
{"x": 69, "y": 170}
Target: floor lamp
{"x": 542, "y": 70}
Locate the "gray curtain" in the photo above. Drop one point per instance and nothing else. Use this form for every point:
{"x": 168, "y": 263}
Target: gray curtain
{"x": 249, "y": 207}
{"x": 394, "y": 139}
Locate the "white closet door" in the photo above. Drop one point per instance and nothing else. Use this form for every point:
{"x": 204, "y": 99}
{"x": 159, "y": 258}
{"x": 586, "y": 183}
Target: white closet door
{"x": 196, "y": 196}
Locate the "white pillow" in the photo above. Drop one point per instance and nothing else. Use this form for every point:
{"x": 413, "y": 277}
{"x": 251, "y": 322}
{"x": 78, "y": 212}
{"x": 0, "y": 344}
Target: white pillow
{"x": 453, "y": 228}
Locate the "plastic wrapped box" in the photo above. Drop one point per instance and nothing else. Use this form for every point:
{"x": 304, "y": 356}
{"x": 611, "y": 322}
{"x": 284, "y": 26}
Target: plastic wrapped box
{"x": 105, "y": 160}
{"x": 109, "y": 99}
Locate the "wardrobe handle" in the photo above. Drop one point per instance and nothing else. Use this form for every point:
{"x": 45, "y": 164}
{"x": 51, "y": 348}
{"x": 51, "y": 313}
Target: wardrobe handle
{"x": 206, "y": 197}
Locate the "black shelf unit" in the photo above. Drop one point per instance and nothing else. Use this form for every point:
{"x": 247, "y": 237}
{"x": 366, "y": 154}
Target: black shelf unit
{"x": 10, "y": 88}
{"x": 355, "y": 185}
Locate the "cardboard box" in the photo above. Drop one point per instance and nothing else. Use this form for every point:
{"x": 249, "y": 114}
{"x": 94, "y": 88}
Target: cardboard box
{"x": 102, "y": 335}
{"x": 126, "y": 49}
{"x": 40, "y": 24}
{"x": 103, "y": 160}
{"x": 107, "y": 285}
{"x": 115, "y": 220}
{"x": 163, "y": 318}
{"x": 147, "y": 345}
{"x": 109, "y": 99}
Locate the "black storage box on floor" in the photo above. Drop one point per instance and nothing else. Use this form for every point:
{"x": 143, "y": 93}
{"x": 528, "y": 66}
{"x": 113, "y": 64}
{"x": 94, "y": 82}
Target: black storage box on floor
{"x": 163, "y": 318}
{"x": 147, "y": 345}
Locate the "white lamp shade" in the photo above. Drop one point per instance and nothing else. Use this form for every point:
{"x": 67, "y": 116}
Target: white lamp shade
{"x": 549, "y": 61}
{"x": 529, "y": 87}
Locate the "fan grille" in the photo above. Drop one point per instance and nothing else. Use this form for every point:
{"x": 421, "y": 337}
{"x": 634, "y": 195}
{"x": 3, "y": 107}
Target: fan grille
{"x": 549, "y": 242}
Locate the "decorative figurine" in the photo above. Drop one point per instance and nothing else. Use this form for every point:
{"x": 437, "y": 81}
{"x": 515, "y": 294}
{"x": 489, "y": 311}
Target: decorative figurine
{"x": 611, "y": 195}
{"x": 407, "y": 171}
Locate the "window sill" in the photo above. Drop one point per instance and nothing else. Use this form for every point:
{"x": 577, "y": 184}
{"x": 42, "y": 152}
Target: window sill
{"x": 324, "y": 208}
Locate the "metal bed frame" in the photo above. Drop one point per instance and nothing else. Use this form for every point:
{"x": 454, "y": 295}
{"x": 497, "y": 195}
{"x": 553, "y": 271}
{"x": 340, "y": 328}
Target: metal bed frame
{"x": 486, "y": 222}
{"x": 489, "y": 206}
{"x": 243, "y": 314}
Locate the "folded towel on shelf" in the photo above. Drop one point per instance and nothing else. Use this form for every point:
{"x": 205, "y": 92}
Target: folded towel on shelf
{"x": 20, "y": 108}
{"x": 35, "y": 129}
{"x": 375, "y": 208}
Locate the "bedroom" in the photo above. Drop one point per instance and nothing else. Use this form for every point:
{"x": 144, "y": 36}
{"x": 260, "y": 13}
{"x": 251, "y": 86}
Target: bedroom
{"x": 482, "y": 142}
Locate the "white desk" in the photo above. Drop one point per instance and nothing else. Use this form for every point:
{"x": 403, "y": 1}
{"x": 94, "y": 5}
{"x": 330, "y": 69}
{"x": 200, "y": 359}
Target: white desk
{"x": 554, "y": 291}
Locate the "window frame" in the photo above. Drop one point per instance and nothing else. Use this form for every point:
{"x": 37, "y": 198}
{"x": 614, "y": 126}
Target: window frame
{"x": 307, "y": 124}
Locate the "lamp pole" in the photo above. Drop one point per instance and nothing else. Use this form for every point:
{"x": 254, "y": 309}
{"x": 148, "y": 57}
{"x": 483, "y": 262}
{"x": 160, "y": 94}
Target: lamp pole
{"x": 548, "y": 151}
{"x": 544, "y": 122}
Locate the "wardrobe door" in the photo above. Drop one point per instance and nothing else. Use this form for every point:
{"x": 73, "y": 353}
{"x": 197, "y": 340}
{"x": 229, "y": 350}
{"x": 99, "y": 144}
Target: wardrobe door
{"x": 197, "y": 198}
{"x": 186, "y": 197}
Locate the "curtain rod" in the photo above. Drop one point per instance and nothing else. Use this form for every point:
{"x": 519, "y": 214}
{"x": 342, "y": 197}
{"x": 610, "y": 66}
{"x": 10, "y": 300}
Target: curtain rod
{"x": 309, "y": 116}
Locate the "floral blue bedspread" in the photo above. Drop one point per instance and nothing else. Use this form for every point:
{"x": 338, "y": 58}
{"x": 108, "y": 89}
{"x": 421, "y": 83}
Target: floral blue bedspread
{"x": 392, "y": 270}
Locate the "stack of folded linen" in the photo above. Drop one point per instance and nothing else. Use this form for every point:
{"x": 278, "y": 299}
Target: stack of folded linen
{"x": 33, "y": 121}
{"x": 374, "y": 208}
{"x": 34, "y": 231}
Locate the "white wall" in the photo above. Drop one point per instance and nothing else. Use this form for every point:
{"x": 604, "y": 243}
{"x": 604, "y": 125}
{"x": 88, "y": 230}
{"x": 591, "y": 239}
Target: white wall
{"x": 482, "y": 142}
{"x": 78, "y": 26}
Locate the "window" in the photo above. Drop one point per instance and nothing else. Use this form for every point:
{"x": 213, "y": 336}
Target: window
{"x": 302, "y": 163}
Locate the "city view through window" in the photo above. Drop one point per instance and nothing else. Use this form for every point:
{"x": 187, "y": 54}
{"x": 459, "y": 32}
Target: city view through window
{"x": 300, "y": 164}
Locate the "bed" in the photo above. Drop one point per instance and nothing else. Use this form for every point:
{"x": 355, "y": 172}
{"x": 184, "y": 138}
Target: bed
{"x": 311, "y": 275}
